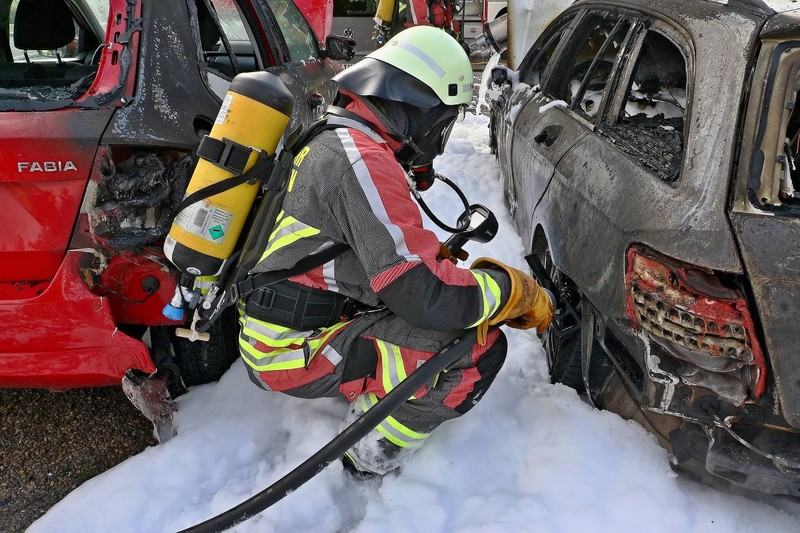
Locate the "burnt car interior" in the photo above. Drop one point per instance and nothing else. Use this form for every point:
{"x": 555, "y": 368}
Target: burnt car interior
{"x": 592, "y": 60}
{"x": 49, "y": 50}
{"x": 649, "y": 126}
{"x": 651, "y": 121}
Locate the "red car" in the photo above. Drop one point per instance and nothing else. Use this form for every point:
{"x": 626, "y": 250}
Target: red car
{"x": 102, "y": 104}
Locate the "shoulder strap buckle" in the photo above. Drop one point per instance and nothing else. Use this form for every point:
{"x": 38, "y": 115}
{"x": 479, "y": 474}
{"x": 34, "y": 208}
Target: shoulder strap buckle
{"x": 225, "y": 153}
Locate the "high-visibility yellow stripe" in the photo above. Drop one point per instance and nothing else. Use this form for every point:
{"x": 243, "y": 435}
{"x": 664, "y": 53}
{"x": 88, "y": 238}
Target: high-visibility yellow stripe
{"x": 392, "y": 369}
{"x": 408, "y": 432}
{"x": 281, "y": 358}
{"x": 271, "y": 334}
{"x": 289, "y": 230}
{"x": 279, "y": 223}
{"x": 392, "y": 430}
{"x": 490, "y": 291}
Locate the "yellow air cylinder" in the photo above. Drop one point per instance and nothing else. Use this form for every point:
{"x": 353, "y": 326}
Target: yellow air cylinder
{"x": 384, "y": 13}
{"x": 254, "y": 114}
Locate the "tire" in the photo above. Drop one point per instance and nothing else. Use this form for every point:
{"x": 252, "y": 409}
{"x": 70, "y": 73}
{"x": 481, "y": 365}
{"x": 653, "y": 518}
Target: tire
{"x": 562, "y": 340}
{"x": 205, "y": 362}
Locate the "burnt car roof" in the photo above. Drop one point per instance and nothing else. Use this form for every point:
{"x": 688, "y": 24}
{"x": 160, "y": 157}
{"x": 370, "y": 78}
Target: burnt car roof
{"x": 681, "y": 10}
{"x": 782, "y": 26}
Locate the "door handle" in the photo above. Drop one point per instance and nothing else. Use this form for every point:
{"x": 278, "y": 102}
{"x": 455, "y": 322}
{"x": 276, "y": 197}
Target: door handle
{"x": 546, "y": 137}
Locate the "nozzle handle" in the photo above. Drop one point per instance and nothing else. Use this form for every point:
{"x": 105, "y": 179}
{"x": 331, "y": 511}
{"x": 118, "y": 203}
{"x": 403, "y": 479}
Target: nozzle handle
{"x": 192, "y": 335}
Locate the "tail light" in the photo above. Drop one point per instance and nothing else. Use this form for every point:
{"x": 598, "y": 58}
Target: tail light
{"x": 696, "y": 317}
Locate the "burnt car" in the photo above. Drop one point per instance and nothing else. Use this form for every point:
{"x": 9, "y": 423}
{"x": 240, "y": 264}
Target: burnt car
{"x": 102, "y": 105}
{"x": 649, "y": 154}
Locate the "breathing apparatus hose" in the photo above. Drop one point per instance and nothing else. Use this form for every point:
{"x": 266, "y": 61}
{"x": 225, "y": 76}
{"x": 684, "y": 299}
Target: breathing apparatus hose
{"x": 345, "y": 440}
{"x": 434, "y": 218}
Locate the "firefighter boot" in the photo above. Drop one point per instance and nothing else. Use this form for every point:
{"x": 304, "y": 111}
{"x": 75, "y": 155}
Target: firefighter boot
{"x": 373, "y": 455}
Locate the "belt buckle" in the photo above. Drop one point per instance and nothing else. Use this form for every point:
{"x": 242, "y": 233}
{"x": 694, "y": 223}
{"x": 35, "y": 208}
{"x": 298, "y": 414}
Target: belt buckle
{"x": 267, "y": 298}
{"x": 348, "y": 309}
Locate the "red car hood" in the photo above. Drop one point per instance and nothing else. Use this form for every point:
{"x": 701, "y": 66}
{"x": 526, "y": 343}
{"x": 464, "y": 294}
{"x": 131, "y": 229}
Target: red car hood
{"x": 44, "y": 168}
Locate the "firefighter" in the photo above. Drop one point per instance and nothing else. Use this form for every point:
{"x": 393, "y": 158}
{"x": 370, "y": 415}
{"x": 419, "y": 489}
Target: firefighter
{"x": 437, "y": 13}
{"x": 359, "y": 324}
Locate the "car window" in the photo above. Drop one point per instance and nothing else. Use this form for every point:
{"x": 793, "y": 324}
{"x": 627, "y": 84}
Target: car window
{"x": 240, "y": 55}
{"x": 296, "y": 32}
{"x": 535, "y": 64}
{"x": 585, "y": 68}
{"x": 53, "y": 56}
{"x": 99, "y": 10}
{"x": 651, "y": 120}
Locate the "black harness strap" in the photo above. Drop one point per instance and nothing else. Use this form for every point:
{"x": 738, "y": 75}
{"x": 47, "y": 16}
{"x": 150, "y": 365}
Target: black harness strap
{"x": 245, "y": 287}
{"x": 238, "y": 283}
{"x": 261, "y": 168}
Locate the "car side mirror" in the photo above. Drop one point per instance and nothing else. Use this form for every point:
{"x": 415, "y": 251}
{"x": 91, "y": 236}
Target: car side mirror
{"x": 340, "y": 48}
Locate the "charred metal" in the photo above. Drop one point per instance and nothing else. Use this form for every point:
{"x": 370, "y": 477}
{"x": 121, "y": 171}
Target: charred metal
{"x": 136, "y": 198}
{"x": 699, "y": 322}
{"x": 649, "y": 154}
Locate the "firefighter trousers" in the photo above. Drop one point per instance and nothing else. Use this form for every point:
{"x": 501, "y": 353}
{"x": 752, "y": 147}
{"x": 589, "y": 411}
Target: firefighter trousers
{"x": 373, "y": 354}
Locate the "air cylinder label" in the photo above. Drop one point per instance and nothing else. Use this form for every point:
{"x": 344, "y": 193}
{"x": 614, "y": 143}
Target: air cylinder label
{"x": 206, "y": 221}
{"x": 223, "y": 111}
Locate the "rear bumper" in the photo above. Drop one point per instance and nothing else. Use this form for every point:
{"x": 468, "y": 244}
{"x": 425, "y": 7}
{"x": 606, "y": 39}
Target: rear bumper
{"x": 776, "y": 475}
{"x": 65, "y": 337}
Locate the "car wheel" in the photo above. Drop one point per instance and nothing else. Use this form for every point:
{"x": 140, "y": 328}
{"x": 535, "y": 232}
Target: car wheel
{"x": 204, "y": 362}
{"x": 562, "y": 340}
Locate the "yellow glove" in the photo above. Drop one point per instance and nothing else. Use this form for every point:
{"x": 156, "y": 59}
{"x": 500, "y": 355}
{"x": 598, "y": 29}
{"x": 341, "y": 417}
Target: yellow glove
{"x": 528, "y": 304}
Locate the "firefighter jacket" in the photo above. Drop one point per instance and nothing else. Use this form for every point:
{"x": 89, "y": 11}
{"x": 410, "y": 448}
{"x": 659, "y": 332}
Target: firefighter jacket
{"x": 347, "y": 187}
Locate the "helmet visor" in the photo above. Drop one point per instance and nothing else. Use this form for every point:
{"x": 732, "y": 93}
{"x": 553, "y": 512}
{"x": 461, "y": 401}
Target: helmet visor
{"x": 433, "y": 136}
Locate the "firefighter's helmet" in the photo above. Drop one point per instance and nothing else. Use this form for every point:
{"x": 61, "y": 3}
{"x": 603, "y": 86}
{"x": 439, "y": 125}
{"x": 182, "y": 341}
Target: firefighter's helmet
{"x": 422, "y": 66}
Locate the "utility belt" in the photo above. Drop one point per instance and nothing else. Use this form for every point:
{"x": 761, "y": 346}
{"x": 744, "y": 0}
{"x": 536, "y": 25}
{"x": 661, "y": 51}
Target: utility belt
{"x": 298, "y": 307}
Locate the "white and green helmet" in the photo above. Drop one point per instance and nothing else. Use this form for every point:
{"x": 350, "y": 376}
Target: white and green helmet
{"x": 429, "y": 55}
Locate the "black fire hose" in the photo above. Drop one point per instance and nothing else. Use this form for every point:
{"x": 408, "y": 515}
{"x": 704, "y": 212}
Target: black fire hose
{"x": 345, "y": 440}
